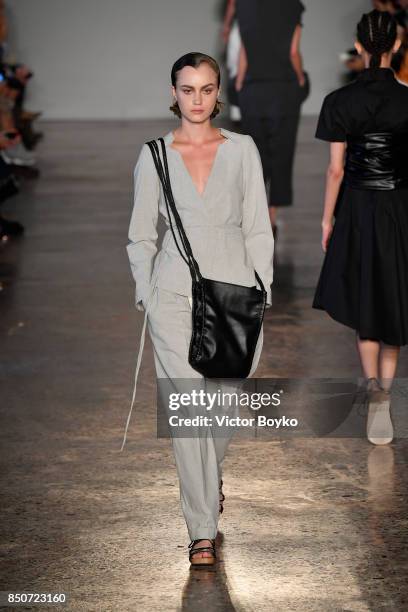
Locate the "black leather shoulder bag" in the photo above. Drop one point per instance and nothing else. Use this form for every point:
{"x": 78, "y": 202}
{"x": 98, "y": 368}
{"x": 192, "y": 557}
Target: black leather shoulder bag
{"x": 226, "y": 318}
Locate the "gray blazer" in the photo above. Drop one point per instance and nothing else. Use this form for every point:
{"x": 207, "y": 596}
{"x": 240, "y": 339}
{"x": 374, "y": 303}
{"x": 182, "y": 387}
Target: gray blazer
{"x": 228, "y": 226}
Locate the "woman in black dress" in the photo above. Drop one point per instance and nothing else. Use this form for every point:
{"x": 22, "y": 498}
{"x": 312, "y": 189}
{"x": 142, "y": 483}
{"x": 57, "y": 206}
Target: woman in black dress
{"x": 364, "y": 279}
{"x": 272, "y": 85}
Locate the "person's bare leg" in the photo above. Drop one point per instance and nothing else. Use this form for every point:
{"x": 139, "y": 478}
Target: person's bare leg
{"x": 369, "y": 351}
{"x": 388, "y": 365}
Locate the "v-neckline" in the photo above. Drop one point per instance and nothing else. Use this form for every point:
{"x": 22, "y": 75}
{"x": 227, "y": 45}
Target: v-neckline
{"x": 202, "y": 195}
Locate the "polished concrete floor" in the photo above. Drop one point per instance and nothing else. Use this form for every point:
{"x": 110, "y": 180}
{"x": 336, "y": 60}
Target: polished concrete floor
{"x": 309, "y": 524}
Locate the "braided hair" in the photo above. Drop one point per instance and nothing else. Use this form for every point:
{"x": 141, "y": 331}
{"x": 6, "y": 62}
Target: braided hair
{"x": 377, "y": 32}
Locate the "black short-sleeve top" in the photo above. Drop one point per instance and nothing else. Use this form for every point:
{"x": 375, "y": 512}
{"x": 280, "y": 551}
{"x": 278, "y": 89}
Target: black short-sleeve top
{"x": 266, "y": 28}
{"x": 374, "y": 102}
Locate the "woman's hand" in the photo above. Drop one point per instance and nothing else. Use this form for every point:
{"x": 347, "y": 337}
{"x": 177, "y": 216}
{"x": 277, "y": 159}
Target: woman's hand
{"x": 327, "y": 228}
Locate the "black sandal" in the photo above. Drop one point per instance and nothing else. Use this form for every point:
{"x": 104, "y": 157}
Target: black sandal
{"x": 202, "y": 560}
{"x": 222, "y": 498}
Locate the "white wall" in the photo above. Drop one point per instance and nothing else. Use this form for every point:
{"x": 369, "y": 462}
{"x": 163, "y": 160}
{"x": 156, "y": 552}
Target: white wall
{"x": 111, "y": 59}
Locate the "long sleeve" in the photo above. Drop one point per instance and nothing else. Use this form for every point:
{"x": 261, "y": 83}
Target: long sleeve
{"x": 142, "y": 247}
{"x": 256, "y": 225}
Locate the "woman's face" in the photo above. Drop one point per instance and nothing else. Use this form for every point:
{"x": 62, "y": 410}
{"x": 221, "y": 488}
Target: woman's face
{"x": 196, "y": 92}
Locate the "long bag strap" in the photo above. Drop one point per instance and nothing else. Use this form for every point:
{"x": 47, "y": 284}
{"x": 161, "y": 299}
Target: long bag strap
{"x": 168, "y": 195}
{"x": 177, "y": 218}
{"x": 164, "y": 176}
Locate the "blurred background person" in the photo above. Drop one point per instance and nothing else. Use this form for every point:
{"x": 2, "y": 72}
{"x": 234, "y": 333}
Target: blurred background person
{"x": 272, "y": 85}
{"x": 354, "y": 64}
{"x": 232, "y": 39}
{"x": 17, "y": 136}
{"x": 9, "y": 186}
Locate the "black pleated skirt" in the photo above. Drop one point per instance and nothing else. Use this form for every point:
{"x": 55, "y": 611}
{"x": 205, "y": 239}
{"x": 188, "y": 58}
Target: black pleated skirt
{"x": 364, "y": 278}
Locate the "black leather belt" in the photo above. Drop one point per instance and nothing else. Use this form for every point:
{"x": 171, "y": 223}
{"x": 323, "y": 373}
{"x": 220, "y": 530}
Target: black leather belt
{"x": 377, "y": 160}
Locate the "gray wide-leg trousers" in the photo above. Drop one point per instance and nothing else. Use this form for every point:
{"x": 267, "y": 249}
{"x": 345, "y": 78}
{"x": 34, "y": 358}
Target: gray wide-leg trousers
{"x": 199, "y": 460}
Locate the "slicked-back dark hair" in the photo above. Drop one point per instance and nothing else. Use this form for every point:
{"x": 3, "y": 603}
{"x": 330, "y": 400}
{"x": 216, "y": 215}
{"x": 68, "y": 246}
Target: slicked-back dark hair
{"x": 194, "y": 60}
{"x": 377, "y": 32}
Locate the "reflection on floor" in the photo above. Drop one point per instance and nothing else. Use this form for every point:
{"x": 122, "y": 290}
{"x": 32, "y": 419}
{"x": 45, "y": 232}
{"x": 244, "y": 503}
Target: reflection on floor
{"x": 309, "y": 524}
